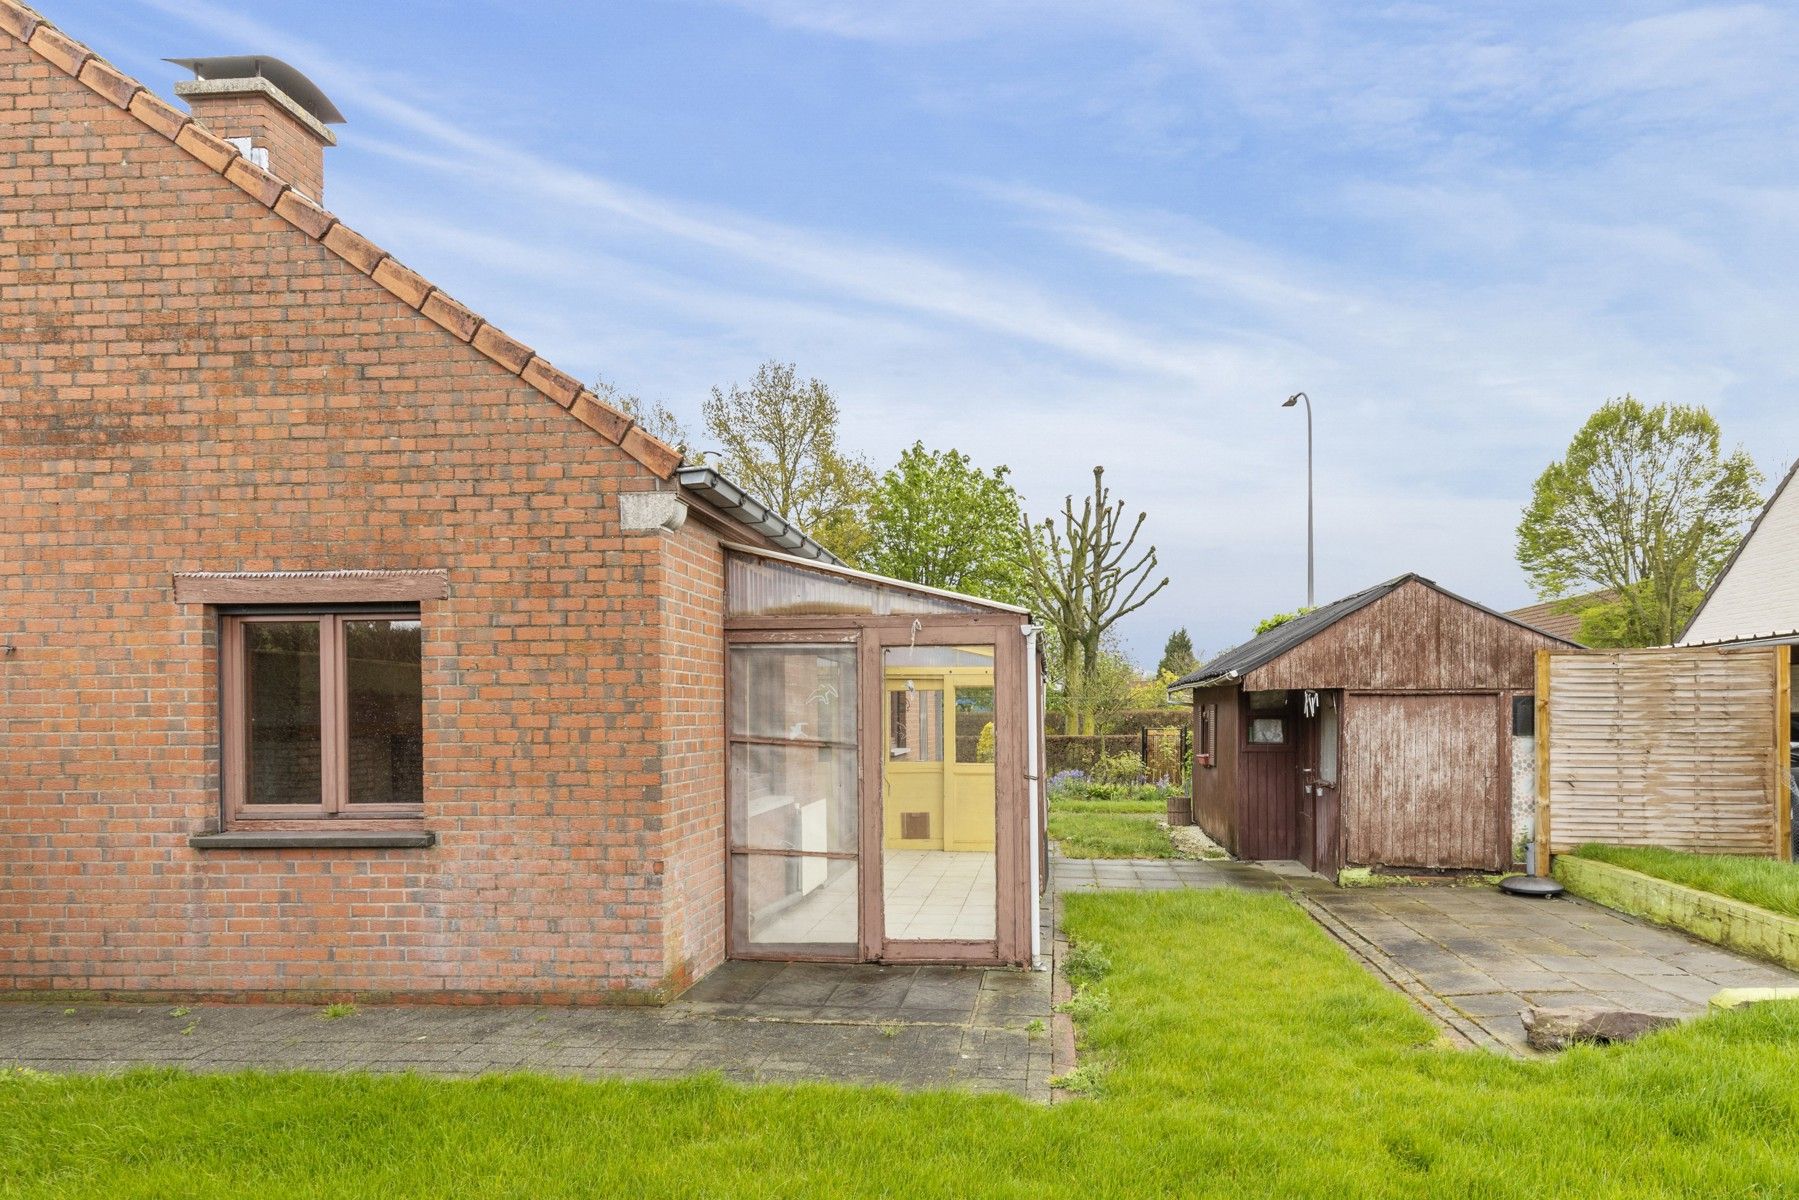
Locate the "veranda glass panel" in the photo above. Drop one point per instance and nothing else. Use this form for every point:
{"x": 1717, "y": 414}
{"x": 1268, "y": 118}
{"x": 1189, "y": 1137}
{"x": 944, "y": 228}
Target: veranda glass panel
{"x": 384, "y": 694}
{"x": 284, "y": 742}
{"x": 793, "y": 786}
{"x": 793, "y": 798}
{"x": 798, "y": 901}
{"x": 794, "y": 693}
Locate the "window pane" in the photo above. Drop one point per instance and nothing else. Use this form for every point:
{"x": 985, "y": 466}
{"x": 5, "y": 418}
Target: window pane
{"x": 384, "y": 704}
{"x": 1267, "y": 731}
{"x": 804, "y": 692}
{"x": 974, "y": 725}
{"x": 915, "y": 725}
{"x": 281, "y": 665}
{"x": 788, "y": 901}
{"x": 1327, "y": 744}
{"x": 793, "y": 797}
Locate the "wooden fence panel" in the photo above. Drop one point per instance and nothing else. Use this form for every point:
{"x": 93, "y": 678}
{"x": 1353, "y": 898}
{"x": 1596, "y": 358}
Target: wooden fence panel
{"x": 1666, "y": 747}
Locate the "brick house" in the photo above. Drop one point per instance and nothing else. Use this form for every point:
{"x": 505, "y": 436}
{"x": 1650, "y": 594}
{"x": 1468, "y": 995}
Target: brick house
{"x": 350, "y": 648}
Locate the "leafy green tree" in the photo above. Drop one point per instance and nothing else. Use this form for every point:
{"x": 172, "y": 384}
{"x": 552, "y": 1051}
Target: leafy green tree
{"x": 1278, "y": 619}
{"x": 935, "y": 518}
{"x": 779, "y": 443}
{"x": 1645, "y": 503}
{"x": 1082, "y": 578}
{"x": 1178, "y": 657}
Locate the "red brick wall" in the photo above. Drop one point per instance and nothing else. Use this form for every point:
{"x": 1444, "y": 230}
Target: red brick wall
{"x": 691, "y": 601}
{"x": 189, "y": 383}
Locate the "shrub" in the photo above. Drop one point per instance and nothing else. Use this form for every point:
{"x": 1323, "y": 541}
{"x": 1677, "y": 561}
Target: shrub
{"x": 1118, "y": 768}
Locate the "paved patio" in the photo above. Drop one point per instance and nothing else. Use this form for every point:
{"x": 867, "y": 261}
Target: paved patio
{"x": 911, "y": 1027}
{"x": 1473, "y": 957}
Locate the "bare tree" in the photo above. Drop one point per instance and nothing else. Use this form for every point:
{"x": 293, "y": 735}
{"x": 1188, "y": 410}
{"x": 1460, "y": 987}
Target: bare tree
{"x": 1082, "y": 580}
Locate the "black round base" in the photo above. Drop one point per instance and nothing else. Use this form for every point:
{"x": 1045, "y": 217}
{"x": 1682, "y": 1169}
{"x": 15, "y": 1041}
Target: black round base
{"x": 1531, "y": 885}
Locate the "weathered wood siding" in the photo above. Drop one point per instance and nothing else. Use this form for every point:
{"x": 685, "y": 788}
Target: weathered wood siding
{"x": 1414, "y": 639}
{"x": 1682, "y": 748}
{"x": 1215, "y": 787}
{"x": 1423, "y": 782}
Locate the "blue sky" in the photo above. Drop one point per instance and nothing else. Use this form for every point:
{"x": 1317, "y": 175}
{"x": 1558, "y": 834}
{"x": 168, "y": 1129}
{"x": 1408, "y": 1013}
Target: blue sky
{"x": 1063, "y": 233}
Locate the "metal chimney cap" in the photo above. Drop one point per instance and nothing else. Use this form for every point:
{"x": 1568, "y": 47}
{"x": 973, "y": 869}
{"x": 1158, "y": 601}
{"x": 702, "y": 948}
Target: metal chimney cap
{"x": 291, "y": 80}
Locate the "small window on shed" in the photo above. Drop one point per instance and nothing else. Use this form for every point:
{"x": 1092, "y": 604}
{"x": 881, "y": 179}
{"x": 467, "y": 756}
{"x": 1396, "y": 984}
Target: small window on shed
{"x": 1261, "y": 702}
{"x": 1524, "y": 716}
{"x": 1267, "y": 731}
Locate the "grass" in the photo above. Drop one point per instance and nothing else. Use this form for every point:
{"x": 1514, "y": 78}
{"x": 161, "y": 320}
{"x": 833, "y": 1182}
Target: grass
{"x": 1763, "y": 882}
{"x": 1109, "y": 835}
{"x": 1240, "y": 1053}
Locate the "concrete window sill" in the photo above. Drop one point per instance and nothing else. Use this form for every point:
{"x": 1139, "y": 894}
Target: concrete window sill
{"x": 307, "y": 839}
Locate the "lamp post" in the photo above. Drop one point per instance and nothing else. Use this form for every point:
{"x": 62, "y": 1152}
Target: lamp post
{"x": 1289, "y": 402}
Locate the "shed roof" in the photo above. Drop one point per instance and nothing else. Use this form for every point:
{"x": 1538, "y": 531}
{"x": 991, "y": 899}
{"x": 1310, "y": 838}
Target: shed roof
{"x": 1231, "y": 665}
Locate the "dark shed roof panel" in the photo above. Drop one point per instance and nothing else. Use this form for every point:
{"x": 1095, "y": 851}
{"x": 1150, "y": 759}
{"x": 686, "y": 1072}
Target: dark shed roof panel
{"x": 1265, "y": 648}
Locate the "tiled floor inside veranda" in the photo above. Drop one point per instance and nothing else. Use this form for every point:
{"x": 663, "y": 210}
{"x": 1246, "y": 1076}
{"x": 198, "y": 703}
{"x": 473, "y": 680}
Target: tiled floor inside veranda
{"x": 930, "y": 895}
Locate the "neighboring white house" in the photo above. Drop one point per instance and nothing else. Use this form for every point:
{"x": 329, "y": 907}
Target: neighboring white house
{"x": 1756, "y": 597}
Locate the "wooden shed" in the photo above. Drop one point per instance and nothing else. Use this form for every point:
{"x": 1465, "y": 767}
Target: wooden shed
{"x": 1378, "y": 730}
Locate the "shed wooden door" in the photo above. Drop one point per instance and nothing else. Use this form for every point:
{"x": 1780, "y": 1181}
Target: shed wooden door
{"x": 1424, "y": 784}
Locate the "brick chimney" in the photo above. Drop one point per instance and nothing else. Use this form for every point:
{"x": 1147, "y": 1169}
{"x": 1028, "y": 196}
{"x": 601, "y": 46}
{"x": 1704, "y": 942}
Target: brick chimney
{"x": 277, "y": 117}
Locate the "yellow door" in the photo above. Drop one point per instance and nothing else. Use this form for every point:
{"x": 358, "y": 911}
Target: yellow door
{"x": 914, "y": 769}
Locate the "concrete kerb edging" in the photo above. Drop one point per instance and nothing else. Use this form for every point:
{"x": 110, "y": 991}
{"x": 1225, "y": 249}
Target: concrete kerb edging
{"x": 1733, "y": 924}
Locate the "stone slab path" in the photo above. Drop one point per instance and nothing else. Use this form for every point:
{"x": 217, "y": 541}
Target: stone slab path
{"x": 1473, "y": 957}
{"x": 911, "y": 1027}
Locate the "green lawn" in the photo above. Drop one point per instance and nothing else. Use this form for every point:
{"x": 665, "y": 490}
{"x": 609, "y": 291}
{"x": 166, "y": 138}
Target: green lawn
{"x": 1760, "y": 881}
{"x": 1244, "y": 1055}
{"x": 1109, "y": 834}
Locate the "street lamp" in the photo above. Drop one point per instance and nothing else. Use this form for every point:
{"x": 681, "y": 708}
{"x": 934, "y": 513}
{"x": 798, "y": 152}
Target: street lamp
{"x": 1289, "y": 402}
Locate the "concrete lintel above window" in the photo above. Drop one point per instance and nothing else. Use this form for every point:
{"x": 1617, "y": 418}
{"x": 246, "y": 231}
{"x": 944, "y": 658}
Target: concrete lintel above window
{"x": 309, "y": 587}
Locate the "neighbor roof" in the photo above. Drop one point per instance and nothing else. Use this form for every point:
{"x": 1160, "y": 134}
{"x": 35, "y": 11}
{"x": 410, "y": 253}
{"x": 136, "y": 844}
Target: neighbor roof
{"x": 1561, "y": 617}
{"x": 1765, "y": 593}
{"x": 1266, "y": 647}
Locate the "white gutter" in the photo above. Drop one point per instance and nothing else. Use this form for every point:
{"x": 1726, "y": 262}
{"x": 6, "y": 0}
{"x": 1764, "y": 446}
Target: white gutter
{"x": 721, "y": 494}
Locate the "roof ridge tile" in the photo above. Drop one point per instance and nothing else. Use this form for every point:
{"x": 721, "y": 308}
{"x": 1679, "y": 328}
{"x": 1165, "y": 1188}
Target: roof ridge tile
{"x": 257, "y": 181}
{"x": 551, "y": 380}
{"x": 58, "y": 48}
{"x": 102, "y": 77}
{"x": 18, "y": 20}
{"x": 307, "y": 216}
{"x": 206, "y": 146}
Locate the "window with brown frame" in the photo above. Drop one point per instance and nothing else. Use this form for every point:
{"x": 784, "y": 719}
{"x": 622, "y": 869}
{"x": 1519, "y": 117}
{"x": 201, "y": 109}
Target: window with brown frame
{"x": 323, "y": 713}
{"x": 1205, "y": 750}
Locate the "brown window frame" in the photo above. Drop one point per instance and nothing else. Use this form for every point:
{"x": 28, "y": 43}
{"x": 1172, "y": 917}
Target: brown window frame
{"x": 1206, "y": 754}
{"x": 334, "y": 804}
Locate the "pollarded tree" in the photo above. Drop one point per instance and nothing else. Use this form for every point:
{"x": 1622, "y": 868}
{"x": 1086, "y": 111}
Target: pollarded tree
{"x": 935, "y": 518}
{"x": 1082, "y": 579}
{"x": 779, "y": 442}
{"x": 1645, "y": 503}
